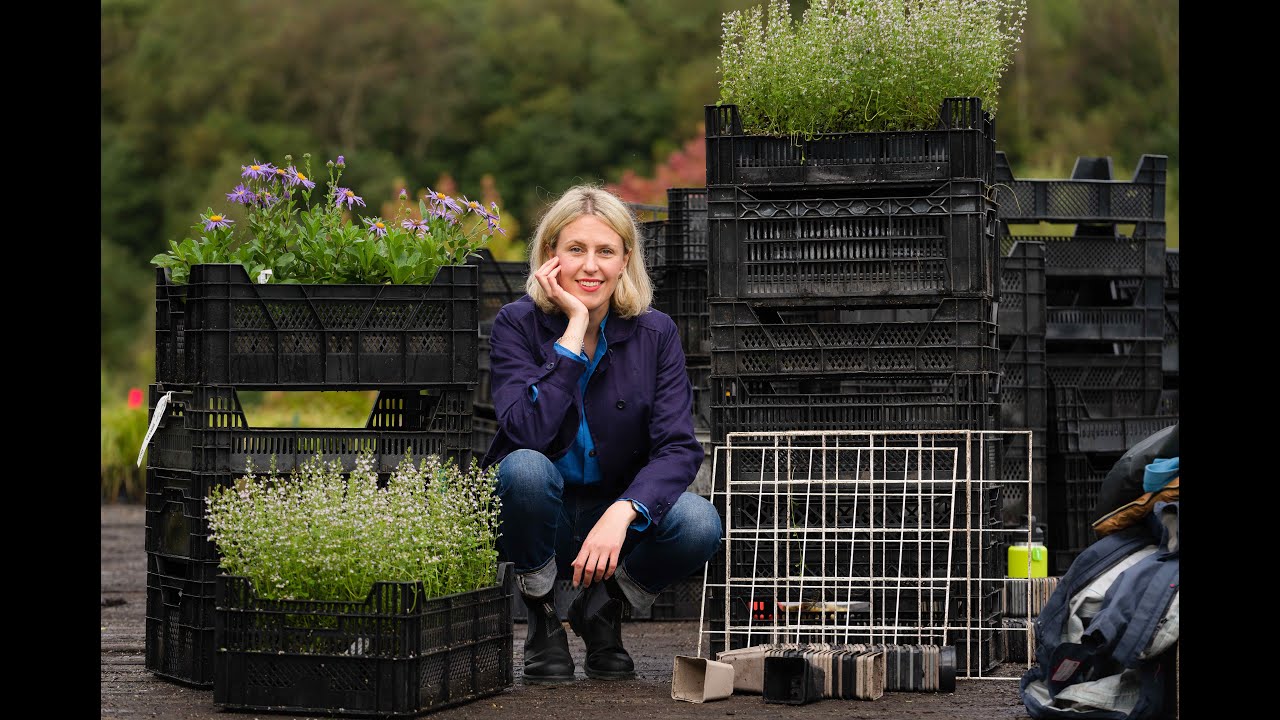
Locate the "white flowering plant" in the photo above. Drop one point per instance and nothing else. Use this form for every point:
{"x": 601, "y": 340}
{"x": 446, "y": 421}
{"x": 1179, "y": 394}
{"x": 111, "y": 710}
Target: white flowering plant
{"x": 287, "y": 238}
{"x": 314, "y": 535}
{"x": 863, "y": 65}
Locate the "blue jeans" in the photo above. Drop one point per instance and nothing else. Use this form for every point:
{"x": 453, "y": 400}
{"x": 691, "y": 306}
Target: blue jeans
{"x": 544, "y": 522}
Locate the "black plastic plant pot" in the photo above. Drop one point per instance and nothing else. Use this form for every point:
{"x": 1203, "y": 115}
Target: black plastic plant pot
{"x": 789, "y": 681}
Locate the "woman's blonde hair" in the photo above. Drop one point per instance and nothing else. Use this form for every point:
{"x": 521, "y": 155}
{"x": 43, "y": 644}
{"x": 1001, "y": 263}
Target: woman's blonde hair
{"x": 634, "y": 292}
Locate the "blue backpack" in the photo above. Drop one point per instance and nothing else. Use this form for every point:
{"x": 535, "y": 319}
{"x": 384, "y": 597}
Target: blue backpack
{"x": 1105, "y": 638}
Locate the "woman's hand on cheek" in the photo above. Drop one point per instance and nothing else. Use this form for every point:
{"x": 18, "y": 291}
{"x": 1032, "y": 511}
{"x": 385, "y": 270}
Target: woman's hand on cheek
{"x": 548, "y": 277}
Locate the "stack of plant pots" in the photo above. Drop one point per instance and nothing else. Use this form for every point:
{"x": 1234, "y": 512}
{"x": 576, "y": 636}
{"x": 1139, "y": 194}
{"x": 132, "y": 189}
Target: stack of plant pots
{"x": 1104, "y": 328}
{"x": 221, "y": 334}
{"x": 853, "y": 286}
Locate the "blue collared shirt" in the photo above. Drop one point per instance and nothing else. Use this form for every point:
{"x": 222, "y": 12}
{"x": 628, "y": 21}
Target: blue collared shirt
{"x": 579, "y": 465}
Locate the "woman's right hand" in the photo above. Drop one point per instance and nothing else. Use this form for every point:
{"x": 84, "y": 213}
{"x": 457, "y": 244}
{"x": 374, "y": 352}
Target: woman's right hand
{"x": 548, "y": 277}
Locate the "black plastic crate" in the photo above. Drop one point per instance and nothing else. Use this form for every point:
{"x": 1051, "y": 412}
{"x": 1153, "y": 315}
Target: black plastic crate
{"x": 955, "y": 401}
{"x": 700, "y": 379}
{"x": 204, "y": 430}
{"x": 1168, "y": 402}
{"x": 501, "y": 282}
{"x": 1172, "y": 272}
{"x": 1024, "y": 400}
{"x": 1022, "y": 290}
{"x": 483, "y": 430}
{"x": 397, "y": 652}
{"x": 1077, "y": 431}
{"x": 1083, "y": 199}
{"x": 653, "y": 243}
{"x": 950, "y": 335}
{"x": 1075, "y": 480}
{"x": 770, "y": 248}
{"x": 681, "y": 292}
{"x": 1136, "y": 256}
{"x": 686, "y": 239}
{"x": 484, "y": 375}
{"x": 323, "y": 337}
{"x": 1114, "y": 379}
{"x": 175, "y": 522}
{"x": 1105, "y": 323}
{"x": 963, "y": 146}
{"x": 170, "y": 333}
{"x": 1013, "y": 479}
{"x": 1172, "y": 329}
{"x": 178, "y": 640}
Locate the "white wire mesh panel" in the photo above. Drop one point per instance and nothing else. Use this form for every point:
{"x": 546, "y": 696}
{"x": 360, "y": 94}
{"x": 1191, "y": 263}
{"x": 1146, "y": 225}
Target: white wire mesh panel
{"x": 865, "y": 537}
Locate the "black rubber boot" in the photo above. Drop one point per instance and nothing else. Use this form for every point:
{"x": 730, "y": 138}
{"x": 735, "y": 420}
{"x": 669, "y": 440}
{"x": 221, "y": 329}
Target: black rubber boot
{"x": 596, "y": 616}
{"x": 546, "y": 645}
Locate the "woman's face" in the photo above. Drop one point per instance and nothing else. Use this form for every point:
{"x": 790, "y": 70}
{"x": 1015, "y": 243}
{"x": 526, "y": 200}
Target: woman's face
{"x": 592, "y": 261}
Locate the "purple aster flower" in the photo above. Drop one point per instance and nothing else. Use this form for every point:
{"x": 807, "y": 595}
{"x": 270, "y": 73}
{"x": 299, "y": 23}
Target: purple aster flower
{"x": 346, "y": 195}
{"x": 241, "y": 194}
{"x": 342, "y": 162}
{"x": 295, "y": 177}
{"x": 443, "y": 201}
{"x": 258, "y": 171}
{"x": 215, "y": 220}
{"x": 404, "y": 194}
{"x": 494, "y": 207}
{"x": 281, "y": 174}
{"x": 266, "y": 198}
{"x": 377, "y": 225}
{"x": 474, "y": 207}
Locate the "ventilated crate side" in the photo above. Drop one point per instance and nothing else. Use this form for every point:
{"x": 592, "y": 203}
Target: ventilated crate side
{"x": 789, "y": 250}
{"x": 397, "y": 652}
{"x": 234, "y": 331}
{"x": 963, "y": 146}
{"x": 951, "y": 335}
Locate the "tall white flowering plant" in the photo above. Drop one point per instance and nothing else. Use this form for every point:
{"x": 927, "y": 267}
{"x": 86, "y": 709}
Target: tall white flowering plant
{"x": 317, "y": 536}
{"x": 863, "y": 65}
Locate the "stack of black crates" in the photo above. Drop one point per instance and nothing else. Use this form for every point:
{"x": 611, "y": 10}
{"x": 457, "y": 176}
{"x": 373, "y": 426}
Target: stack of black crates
{"x": 501, "y": 282}
{"x": 1169, "y": 362}
{"x": 1105, "y": 325}
{"x": 676, "y": 258}
{"x": 222, "y": 333}
{"x": 852, "y": 282}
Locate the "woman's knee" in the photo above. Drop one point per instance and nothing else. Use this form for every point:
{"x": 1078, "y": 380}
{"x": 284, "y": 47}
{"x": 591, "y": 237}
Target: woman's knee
{"x": 527, "y": 471}
{"x": 698, "y": 521}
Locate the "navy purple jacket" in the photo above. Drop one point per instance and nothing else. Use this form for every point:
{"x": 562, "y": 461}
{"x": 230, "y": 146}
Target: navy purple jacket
{"x": 639, "y": 402}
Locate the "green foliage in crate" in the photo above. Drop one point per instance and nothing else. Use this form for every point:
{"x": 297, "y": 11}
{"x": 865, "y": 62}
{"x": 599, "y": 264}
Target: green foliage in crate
{"x": 863, "y": 65}
{"x": 285, "y": 237}
{"x": 317, "y": 536}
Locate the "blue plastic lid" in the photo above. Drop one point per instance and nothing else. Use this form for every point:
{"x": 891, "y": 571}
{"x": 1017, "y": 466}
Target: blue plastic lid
{"x": 1159, "y": 473}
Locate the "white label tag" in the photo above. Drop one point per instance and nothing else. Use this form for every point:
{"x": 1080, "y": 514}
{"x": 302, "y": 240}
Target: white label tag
{"x": 1065, "y": 670}
{"x": 161, "y": 404}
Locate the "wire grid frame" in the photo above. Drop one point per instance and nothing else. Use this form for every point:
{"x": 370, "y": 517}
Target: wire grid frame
{"x": 870, "y": 537}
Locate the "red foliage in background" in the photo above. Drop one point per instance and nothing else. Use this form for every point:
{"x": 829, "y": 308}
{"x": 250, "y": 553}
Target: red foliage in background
{"x": 685, "y": 167}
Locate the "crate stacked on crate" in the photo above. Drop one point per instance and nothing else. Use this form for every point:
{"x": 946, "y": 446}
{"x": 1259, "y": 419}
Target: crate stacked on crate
{"x": 501, "y": 282}
{"x": 676, "y": 256}
{"x": 1023, "y": 382}
{"x": 1169, "y": 358}
{"x": 220, "y": 334}
{"x": 852, "y": 278}
{"x": 1104, "y": 328}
